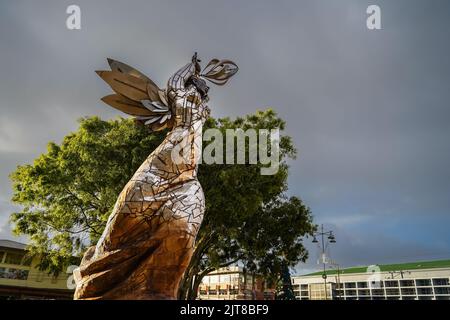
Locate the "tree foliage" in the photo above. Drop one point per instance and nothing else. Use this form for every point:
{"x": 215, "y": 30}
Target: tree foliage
{"x": 67, "y": 194}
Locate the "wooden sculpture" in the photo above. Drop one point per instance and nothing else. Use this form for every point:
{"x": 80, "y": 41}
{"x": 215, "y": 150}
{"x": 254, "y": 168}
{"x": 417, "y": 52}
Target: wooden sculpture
{"x": 149, "y": 237}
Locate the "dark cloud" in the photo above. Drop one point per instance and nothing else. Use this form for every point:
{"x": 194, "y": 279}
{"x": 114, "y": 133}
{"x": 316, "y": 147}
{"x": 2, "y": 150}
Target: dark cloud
{"x": 368, "y": 110}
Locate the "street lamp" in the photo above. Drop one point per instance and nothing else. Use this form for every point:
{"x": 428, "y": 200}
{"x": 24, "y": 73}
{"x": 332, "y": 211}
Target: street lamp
{"x": 330, "y": 239}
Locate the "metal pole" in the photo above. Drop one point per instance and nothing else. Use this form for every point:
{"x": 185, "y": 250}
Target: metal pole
{"x": 324, "y": 265}
{"x": 339, "y": 282}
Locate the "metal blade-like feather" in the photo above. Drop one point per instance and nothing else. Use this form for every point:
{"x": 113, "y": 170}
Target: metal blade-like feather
{"x": 163, "y": 118}
{"x": 126, "y": 105}
{"x": 124, "y": 68}
{"x": 152, "y": 120}
{"x": 154, "y": 106}
{"x": 126, "y": 85}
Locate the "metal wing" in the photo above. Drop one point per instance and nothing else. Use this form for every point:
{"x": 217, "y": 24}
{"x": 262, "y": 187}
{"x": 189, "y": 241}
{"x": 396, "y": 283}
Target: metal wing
{"x": 219, "y": 71}
{"x": 137, "y": 95}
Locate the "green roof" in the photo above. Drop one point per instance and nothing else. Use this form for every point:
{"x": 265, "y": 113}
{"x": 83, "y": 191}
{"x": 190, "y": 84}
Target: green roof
{"x": 390, "y": 267}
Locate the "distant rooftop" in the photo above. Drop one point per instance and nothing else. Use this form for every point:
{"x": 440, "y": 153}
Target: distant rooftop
{"x": 389, "y": 267}
{"x": 12, "y": 244}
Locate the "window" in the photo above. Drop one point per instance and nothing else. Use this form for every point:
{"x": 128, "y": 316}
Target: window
{"x": 407, "y": 283}
{"x": 2, "y": 253}
{"x": 364, "y": 292}
{"x": 362, "y": 285}
{"x": 424, "y": 291}
{"x": 337, "y": 294}
{"x": 13, "y": 258}
{"x": 442, "y": 290}
{"x": 203, "y": 292}
{"x": 408, "y": 291}
{"x": 350, "y": 285}
{"x": 26, "y": 261}
{"x": 339, "y": 288}
{"x": 377, "y": 292}
{"x": 304, "y": 287}
{"x": 350, "y": 292}
{"x": 436, "y": 282}
{"x": 423, "y": 282}
{"x": 391, "y": 284}
{"x": 14, "y": 274}
{"x": 213, "y": 292}
{"x": 392, "y": 292}
{"x": 223, "y": 292}
{"x": 21, "y": 274}
{"x": 376, "y": 284}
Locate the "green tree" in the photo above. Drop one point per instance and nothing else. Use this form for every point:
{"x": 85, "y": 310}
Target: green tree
{"x": 68, "y": 193}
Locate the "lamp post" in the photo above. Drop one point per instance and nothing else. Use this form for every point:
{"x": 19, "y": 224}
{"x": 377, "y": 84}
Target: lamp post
{"x": 329, "y": 239}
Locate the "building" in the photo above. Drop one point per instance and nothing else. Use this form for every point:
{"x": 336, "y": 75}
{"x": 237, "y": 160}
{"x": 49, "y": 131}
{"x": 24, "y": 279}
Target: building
{"x": 20, "y": 277}
{"x": 427, "y": 280}
{"x": 232, "y": 283}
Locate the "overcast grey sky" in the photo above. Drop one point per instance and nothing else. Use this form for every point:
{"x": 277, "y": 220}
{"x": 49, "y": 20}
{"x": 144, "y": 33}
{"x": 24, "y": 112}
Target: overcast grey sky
{"x": 368, "y": 110}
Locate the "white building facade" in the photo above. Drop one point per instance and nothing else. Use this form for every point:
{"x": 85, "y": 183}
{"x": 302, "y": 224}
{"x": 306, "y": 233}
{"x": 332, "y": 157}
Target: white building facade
{"x": 414, "y": 282}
